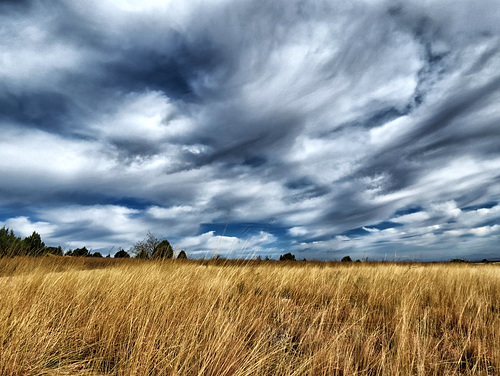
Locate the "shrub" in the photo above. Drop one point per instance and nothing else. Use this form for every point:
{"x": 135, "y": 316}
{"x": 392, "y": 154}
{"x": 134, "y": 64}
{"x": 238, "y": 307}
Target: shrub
{"x": 121, "y": 254}
{"x": 80, "y": 252}
{"x": 163, "y": 250}
{"x": 287, "y": 257}
{"x": 346, "y": 259}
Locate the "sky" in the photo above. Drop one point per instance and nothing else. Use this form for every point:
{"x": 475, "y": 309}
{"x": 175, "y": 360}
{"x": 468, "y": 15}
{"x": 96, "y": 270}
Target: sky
{"x": 246, "y": 128}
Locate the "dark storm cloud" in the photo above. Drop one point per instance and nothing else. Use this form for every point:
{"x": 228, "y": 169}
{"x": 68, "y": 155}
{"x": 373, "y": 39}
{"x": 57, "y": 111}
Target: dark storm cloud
{"x": 249, "y": 142}
{"x": 82, "y": 230}
{"x": 348, "y": 210}
{"x": 171, "y": 66}
{"x": 332, "y": 118}
{"x": 14, "y": 5}
{"x": 46, "y": 110}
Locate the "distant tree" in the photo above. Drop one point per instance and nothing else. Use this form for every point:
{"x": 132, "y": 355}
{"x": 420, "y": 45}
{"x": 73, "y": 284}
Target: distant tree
{"x": 10, "y": 244}
{"x": 182, "y": 255}
{"x": 346, "y": 259}
{"x": 33, "y": 244}
{"x": 484, "y": 261}
{"x": 80, "y": 252}
{"x": 144, "y": 249}
{"x": 163, "y": 250}
{"x": 95, "y": 254}
{"x": 287, "y": 257}
{"x": 121, "y": 254}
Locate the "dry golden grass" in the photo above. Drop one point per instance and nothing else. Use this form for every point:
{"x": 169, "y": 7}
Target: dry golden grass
{"x": 63, "y": 316}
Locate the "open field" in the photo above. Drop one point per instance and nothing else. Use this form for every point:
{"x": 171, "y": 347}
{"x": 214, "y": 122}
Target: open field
{"x": 63, "y": 316}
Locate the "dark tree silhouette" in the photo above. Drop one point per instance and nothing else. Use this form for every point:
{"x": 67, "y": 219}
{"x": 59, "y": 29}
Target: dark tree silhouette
{"x": 163, "y": 250}
{"x": 10, "y": 244}
{"x": 34, "y": 245}
{"x": 287, "y": 257}
{"x": 121, "y": 254}
{"x": 80, "y": 252}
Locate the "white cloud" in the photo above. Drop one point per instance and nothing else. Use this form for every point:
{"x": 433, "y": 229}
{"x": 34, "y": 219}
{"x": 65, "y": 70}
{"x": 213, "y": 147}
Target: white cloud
{"x": 298, "y": 231}
{"x": 389, "y": 131}
{"x": 371, "y": 230}
{"x": 25, "y": 227}
{"x": 39, "y": 155}
{"x": 484, "y": 230}
{"x": 32, "y": 57}
{"x": 209, "y": 245}
{"x": 147, "y": 116}
{"x": 448, "y": 209}
{"x": 411, "y": 218}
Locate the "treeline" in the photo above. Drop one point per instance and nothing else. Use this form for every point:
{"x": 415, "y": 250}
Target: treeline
{"x": 12, "y": 245}
{"x": 149, "y": 248}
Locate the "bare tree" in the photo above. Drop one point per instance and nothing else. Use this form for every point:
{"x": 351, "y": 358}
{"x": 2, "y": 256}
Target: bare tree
{"x": 145, "y": 248}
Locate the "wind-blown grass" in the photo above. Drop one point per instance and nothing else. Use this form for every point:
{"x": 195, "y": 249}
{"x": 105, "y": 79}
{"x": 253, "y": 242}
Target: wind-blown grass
{"x": 62, "y": 315}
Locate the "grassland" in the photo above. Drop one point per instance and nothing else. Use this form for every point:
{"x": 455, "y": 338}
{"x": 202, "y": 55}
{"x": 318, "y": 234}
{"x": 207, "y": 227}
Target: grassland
{"x": 63, "y": 316}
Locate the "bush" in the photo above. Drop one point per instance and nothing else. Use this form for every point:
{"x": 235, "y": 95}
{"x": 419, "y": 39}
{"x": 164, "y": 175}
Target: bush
{"x": 346, "y": 259}
{"x": 287, "y": 257}
{"x": 121, "y": 254}
{"x": 163, "y": 250}
{"x": 182, "y": 255}
{"x": 80, "y": 252}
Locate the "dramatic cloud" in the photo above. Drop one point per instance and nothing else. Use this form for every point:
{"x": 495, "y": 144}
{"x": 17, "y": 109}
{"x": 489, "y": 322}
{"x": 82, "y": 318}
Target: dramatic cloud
{"x": 249, "y": 128}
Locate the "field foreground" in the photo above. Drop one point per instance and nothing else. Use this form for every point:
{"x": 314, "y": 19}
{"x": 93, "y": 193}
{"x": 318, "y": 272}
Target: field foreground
{"x": 63, "y": 316}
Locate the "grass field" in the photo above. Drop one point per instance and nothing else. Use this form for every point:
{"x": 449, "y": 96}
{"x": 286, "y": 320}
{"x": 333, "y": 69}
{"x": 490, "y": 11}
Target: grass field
{"x": 63, "y": 316}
